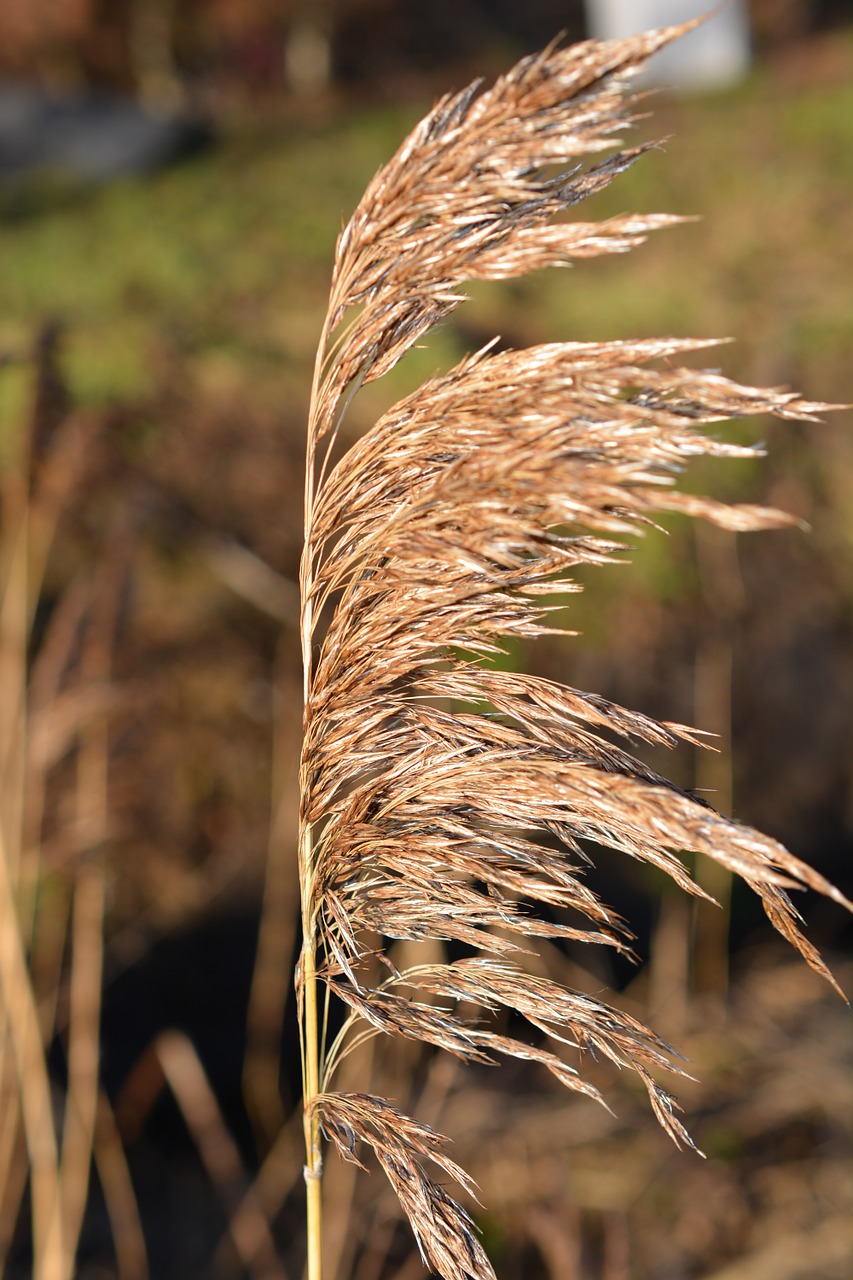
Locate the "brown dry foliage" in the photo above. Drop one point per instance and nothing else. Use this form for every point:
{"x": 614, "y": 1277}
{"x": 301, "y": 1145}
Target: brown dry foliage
{"x": 442, "y": 798}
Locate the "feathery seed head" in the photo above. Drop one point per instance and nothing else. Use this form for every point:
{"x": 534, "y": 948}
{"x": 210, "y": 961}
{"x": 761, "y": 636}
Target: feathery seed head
{"x": 441, "y": 798}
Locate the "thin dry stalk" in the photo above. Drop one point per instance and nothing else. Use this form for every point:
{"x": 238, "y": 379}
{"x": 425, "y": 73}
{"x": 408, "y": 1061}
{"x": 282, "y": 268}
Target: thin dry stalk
{"x": 81, "y": 1103}
{"x": 21, "y": 1031}
{"x": 443, "y": 798}
{"x": 86, "y": 977}
{"x": 13, "y": 1179}
{"x": 22, "y": 1028}
{"x": 119, "y": 1196}
{"x": 247, "y": 1223}
{"x": 40, "y": 722}
{"x": 276, "y": 1179}
{"x": 341, "y": 1225}
{"x": 276, "y": 935}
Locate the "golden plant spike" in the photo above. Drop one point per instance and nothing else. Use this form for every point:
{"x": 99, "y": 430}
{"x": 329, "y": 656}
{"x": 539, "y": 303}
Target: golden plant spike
{"x": 441, "y": 798}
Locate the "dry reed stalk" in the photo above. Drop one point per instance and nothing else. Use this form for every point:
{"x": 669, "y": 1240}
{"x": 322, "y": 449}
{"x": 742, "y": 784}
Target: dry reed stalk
{"x": 25, "y": 521}
{"x": 441, "y": 798}
{"x": 89, "y": 906}
{"x": 247, "y": 1221}
{"x": 276, "y": 932}
{"x": 119, "y": 1195}
{"x": 50, "y": 711}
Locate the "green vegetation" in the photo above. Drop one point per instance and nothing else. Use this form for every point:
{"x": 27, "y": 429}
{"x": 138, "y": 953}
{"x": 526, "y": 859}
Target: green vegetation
{"x": 227, "y": 257}
{"x": 210, "y": 278}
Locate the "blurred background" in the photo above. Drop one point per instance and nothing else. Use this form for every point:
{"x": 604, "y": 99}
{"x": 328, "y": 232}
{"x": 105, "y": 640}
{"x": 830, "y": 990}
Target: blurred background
{"x": 173, "y": 174}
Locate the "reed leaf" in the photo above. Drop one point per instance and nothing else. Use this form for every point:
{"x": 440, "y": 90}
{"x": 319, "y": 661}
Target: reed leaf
{"x": 442, "y": 798}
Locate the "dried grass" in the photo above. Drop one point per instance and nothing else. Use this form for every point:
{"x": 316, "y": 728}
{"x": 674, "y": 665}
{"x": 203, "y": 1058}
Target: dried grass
{"x": 442, "y": 798}
{"x": 54, "y": 709}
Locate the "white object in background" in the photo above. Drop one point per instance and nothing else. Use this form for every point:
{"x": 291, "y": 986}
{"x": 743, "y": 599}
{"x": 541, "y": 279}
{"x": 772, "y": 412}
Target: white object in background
{"x": 715, "y": 55}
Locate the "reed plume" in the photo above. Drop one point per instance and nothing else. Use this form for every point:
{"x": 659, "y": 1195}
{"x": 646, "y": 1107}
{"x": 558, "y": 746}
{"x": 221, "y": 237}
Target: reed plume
{"x": 443, "y": 798}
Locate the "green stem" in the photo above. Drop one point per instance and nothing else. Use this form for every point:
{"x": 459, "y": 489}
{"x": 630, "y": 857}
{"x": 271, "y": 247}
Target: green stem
{"x": 311, "y": 1069}
{"x": 311, "y": 1085}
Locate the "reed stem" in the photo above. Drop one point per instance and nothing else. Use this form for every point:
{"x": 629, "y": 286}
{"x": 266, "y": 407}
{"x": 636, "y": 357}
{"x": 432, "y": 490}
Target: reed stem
{"x": 311, "y": 1088}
